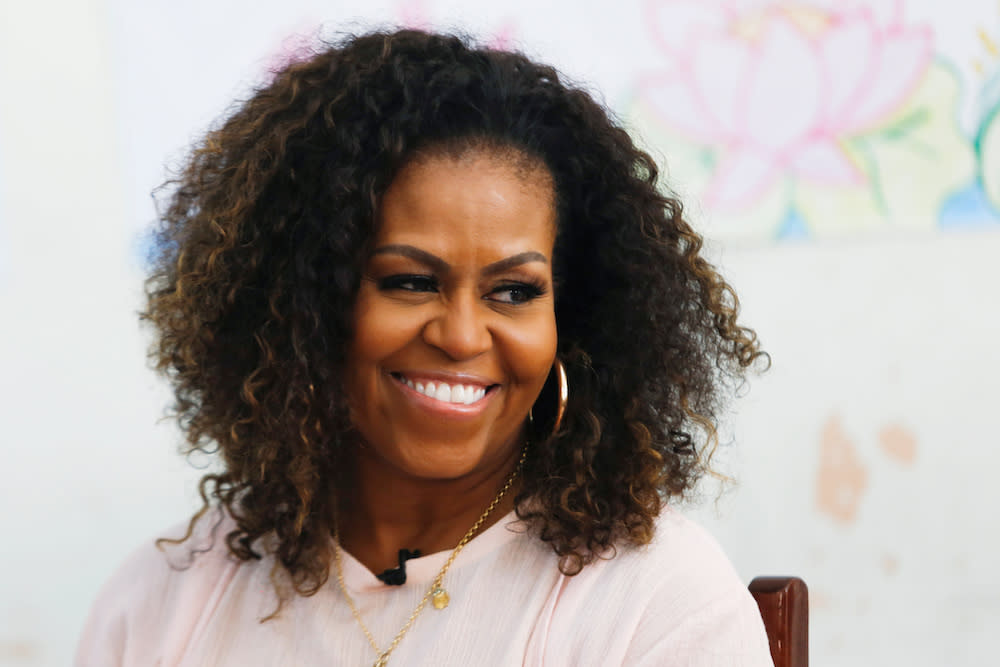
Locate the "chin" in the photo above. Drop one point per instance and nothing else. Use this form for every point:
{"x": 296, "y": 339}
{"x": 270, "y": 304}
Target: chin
{"x": 443, "y": 461}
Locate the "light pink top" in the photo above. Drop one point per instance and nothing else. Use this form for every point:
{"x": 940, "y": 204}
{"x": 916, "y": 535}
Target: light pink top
{"x": 675, "y": 602}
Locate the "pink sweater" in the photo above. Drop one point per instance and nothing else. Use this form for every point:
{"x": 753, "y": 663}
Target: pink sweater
{"x": 675, "y": 602}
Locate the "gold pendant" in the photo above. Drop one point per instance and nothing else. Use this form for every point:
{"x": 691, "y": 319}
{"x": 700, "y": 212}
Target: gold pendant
{"x": 440, "y": 598}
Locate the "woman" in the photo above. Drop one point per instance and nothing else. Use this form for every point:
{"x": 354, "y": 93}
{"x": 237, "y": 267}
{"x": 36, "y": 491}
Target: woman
{"x": 456, "y": 353}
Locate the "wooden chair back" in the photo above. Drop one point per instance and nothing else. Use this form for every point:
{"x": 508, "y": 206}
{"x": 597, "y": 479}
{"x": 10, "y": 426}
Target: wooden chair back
{"x": 784, "y": 606}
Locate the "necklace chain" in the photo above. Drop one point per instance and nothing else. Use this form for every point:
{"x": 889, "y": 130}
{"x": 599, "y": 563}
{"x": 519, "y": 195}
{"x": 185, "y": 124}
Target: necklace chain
{"x": 436, "y": 589}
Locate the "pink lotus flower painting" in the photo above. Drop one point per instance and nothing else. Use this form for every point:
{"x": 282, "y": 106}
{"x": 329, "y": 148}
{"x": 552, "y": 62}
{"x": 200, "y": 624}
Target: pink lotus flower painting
{"x": 828, "y": 110}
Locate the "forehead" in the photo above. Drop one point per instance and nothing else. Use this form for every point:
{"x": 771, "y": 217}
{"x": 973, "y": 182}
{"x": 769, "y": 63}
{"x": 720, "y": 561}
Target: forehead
{"x": 473, "y": 202}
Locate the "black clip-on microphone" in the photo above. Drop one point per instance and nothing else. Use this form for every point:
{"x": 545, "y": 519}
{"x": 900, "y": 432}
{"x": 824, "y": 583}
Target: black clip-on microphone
{"x": 396, "y": 576}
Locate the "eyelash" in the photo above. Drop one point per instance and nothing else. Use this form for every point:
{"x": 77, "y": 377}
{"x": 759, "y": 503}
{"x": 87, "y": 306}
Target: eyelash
{"x": 530, "y": 290}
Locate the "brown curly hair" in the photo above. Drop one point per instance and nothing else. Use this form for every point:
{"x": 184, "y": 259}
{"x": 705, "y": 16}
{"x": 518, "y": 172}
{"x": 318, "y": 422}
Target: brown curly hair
{"x": 261, "y": 245}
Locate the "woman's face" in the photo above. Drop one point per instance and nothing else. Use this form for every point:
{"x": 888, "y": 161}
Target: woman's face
{"x": 454, "y": 327}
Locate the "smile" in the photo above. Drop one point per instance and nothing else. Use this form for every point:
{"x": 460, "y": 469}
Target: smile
{"x": 458, "y": 394}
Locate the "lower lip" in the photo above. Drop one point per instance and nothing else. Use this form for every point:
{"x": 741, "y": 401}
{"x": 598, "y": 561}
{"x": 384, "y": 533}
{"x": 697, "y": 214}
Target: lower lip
{"x": 442, "y": 408}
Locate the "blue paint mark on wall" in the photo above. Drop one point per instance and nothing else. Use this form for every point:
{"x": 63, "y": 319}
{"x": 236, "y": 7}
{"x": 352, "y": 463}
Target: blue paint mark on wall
{"x": 793, "y": 227}
{"x": 968, "y": 208}
{"x": 146, "y": 248}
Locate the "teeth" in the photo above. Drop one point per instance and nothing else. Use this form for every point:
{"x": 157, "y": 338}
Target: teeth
{"x": 463, "y": 394}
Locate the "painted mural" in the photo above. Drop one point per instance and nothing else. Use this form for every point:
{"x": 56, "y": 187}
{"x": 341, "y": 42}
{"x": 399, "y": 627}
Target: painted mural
{"x": 819, "y": 119}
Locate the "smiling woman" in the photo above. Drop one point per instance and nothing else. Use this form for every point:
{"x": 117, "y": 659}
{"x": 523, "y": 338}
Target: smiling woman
{"x": 429, "y": 306}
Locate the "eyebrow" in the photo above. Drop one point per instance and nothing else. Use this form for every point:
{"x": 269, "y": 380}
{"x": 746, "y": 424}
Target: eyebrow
{"x": 441, "y": 266}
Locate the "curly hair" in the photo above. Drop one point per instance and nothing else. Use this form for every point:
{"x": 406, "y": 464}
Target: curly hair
{"x": 261, "y": 245}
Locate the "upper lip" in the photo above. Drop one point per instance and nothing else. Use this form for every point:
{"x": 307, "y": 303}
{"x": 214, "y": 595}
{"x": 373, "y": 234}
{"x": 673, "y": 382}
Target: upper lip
{"x": 445, "y": 377}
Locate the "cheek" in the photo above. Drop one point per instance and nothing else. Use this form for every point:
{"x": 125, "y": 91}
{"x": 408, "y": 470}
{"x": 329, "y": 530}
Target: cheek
{"x": 379, "y": 330}
{"x": 531, "y": 351}
{"x": 375, "y": 336}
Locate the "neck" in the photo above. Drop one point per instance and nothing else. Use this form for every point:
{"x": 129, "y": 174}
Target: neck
{"x": 384, "y": 511}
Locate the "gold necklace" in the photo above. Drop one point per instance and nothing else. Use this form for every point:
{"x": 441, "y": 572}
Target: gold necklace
{"x": 436, "y": 593}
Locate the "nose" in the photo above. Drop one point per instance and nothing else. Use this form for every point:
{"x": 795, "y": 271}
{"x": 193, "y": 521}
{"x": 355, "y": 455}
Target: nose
{"x": 460, "y": 329}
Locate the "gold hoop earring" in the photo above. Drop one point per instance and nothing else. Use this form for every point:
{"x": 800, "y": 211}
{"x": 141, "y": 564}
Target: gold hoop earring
{"x": 563, "y": 397}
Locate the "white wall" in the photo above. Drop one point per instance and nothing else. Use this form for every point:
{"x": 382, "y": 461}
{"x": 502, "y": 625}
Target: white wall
{"x": 865, "y": 457}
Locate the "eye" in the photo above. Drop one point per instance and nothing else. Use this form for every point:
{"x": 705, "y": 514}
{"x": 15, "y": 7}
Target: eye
{"x": 516, "y": 293}
{"x": 409, "y": 283}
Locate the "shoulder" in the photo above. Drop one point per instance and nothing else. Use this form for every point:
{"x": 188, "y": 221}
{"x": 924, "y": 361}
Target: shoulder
{"x": 683, "y": 567}
{"x": 687, "y": 559}
{"x": 677, "y": 600}
{"x": 682, "y": 559}
{"x": 138, "y": 608}
{"x": 698, "y": 611}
